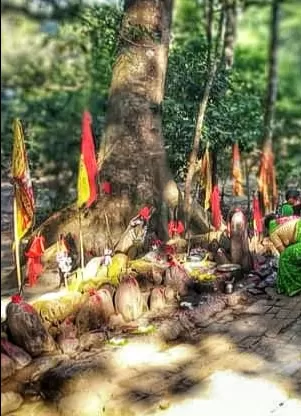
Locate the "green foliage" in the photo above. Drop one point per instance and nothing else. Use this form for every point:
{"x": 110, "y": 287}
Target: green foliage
{"x": 234, "y": 111}
{"x": 236, "y": 106}
{"x": 49, "y": 78}
{"x": 61, "y": 75}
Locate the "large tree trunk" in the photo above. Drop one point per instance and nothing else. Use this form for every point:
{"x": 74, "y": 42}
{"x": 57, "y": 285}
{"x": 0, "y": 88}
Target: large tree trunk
{"x": 132, "y": 155}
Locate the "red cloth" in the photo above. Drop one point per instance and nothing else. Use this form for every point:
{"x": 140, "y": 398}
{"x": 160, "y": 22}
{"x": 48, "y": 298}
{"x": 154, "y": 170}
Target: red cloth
{"x": 216, "y": 208}
{"x": 175, "y": 227}
{"x": 34, "y": 265}
{"x": 92, "y": 292}
{"x": 106, "y": 188}
{"x": 169, "y": 250}
{"x": 144, "y": 213}
{"x": 257, "y": 217}
{"x": 88, "y": 153}
{"x": 25, "y": 306}
{"x": 157, "y": 243}
{"x": 16, "y": 299}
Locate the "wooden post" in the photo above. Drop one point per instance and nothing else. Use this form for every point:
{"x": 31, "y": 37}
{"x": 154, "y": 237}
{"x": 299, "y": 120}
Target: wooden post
{"x": 17, "y": 246}
{"x": 82, "y": 260}
{"x": 247, "y": 173}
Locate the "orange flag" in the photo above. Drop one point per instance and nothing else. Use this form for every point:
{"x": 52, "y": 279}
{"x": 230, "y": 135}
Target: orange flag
{"x": 86, "y": 183}
{"x": 267, "y": 178}
{"x": 24, "y": 201}
{"x": 206, "y": 177}
{"x": 236, "y": 172}
{"x": 216, "y": 208}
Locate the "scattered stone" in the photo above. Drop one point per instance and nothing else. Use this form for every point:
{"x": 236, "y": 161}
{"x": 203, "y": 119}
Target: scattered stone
{"x": 10, "y": 402}
{"x": 8, "y": 366}
{"x": 116, "y": 321}
{"x": 253, "y": 326}
{"x": 257, "y": 309}
{"x": 249, "y": 342}
{"x": 91, "y": 340}
{"x": 233, "y": 299}
{"x": 157, "y": 299}
{"x": 19, "y": 356}
{"x": 254, "y": 291}
{"x": 170, "y": 331}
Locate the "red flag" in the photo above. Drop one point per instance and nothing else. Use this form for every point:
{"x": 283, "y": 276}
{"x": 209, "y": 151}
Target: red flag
{"x": 257, "y": 217}
{"x": 145, "y": 213}
{"x": 106, "y": 188}
{"x": 86, "y": 185}
{"x": 34, "y": 265}
{"x": 175, "y": 227}
{"x": 216, "y": 208}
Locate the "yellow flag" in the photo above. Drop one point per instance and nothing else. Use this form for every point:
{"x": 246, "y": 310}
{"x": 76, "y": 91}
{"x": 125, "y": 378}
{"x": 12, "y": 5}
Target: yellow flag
{"x": 83, "y": 186}
{"x": 24, "y": 200}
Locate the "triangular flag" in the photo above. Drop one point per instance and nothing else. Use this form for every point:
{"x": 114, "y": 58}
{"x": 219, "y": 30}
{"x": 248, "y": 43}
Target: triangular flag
{"x": 24, "y": 200}
{"x": 236, "y": 172}
{"x": 216, "y": 208}
{"x": 86, "y": 184}
{"x": 257, "y": 217}
{"x": 267, "y": 178}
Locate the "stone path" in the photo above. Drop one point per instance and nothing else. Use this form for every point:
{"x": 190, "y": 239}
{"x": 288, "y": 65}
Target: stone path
{"x": 245, "y": 360}
{"x": 270, "y": 328}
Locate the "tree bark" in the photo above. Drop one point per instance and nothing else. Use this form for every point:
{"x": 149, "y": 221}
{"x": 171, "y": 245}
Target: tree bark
{"x": 193, "y": 159}
{"x": 271, "y": 94}
{"x": 132, "y": 155}
{"x": 273, "y": 73}
{"x": 230, "y": 32}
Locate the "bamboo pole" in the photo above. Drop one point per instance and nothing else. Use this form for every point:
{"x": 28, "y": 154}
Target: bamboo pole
{"x": 82, "y": 260}
{"x": 17, "y": 245}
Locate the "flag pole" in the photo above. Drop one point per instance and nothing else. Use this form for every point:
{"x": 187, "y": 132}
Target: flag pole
{"x": 17, "y": 245}
{"x": 82, "y": 261}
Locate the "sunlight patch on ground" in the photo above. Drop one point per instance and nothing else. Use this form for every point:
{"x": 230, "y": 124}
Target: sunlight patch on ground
{"x": 232, "y": 394}
{"x": 151, "y": 354}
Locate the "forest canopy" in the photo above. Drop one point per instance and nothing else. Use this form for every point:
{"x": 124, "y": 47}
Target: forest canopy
{"x": 53, "y": 68}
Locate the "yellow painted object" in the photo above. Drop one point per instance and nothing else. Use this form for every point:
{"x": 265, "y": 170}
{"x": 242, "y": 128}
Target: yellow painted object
{"x": 117, "y": 268}
{"x": 201, "y": 276}
{"x": 141, "y": 266}
{"x": 58, "y": 308}
{"x": 77, "y": 284}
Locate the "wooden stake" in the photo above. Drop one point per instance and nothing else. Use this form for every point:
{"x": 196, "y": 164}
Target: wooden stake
{"x": 17, "y": 246}
{"x": 82, "y": 261}
{"x": 247, "y": 173}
